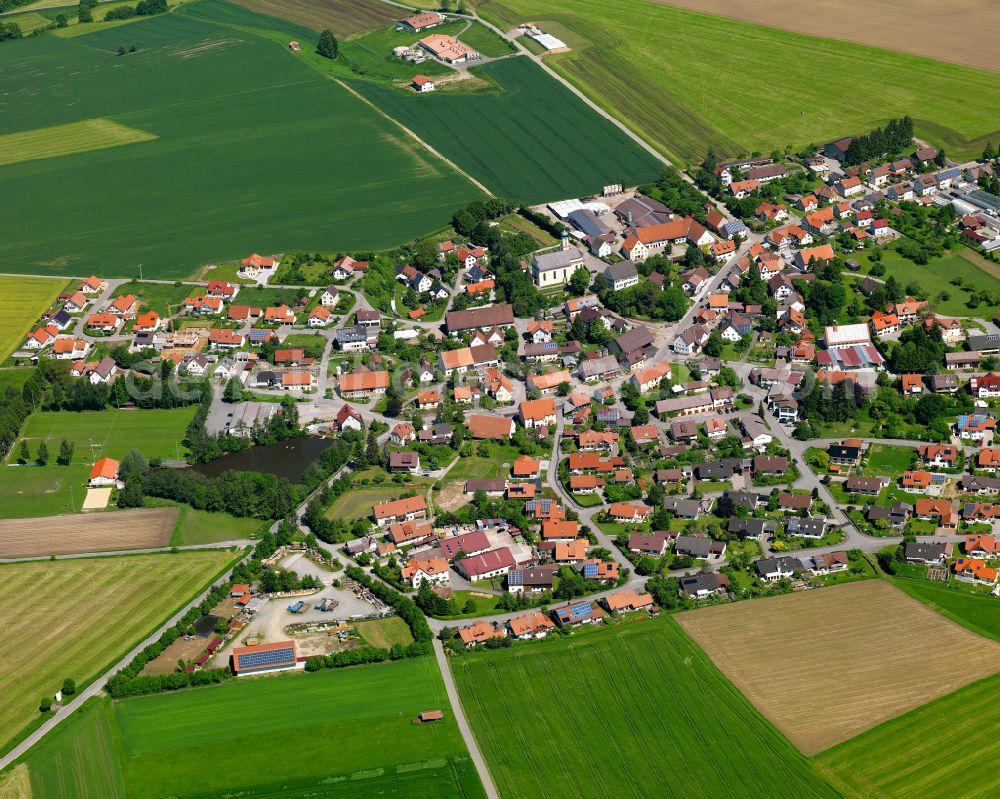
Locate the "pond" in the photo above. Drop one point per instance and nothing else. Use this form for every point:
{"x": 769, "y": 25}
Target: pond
{"x": 288, "y": 459}
{"x": 205, "y": 626}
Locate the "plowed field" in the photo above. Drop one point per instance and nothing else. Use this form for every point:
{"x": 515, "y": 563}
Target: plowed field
{"x": 96, "y": 532}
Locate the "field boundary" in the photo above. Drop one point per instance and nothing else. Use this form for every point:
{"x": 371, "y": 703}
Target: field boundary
{"x": 416, "y": 138}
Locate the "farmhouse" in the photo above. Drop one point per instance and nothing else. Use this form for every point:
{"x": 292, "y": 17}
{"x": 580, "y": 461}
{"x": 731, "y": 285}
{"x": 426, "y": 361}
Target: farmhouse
{"x": 493, "y": 563}
{"x": 363, "y": 384}
{"x": 448, "y": 49}
{"x": 421, "y": 22}
{"x": 485, "y": 318}
{"x": 433, "y": 571}
{"x": 496, "y": 428}
{"x": 400, "y": 510}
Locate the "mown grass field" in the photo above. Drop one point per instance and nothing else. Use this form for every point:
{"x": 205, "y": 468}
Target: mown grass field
{"x": 888, "y": 460}
{"x": 204, "y": 527}
{"x": 28, "y": 491}
{"x": 69, "y": 139}
{"x": 255, "y": 151}
{"x": 628, "y": 711}
{"x": 158, "y": 296}
{"x": 385, "y": 632}
{"x": 522, "y": 147}
{"x": 944, "y": 749}
{"x": 980, "y": 612}
{"x": 879, "y": 652}
{"x": 495, "y": 466}
{"x": 344, "y": 733}
{"x": 669, "y": 74}
{"x": 156, "y": 433}
{"x": 72, "y": 618}
{"x": 22, "y": 301}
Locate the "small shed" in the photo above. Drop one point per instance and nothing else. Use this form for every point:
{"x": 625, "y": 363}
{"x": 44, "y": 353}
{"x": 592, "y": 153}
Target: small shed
{"x": 431, "y": 715}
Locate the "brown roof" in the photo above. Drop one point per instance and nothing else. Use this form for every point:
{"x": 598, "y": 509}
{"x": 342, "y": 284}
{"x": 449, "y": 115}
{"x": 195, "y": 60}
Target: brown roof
{"x": 495, "y": 427}
{"x": 487, "y": 316}
{"x": 364, "y": 381}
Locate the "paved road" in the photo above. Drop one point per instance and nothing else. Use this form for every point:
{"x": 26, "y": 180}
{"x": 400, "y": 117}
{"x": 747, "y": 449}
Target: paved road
{"x": 97, "y": 686}
{"x": 463, "y": 724}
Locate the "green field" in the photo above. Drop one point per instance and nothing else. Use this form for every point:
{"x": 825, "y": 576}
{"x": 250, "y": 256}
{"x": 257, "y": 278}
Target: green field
{"x": 385, "y": 632}
{"x": 22, "y": 301}
{"x": 496, "y": 466}
{"x": 27, "y": 491}
{"x": 204, "y": 527}
{"x": 69, "y": 139}
{"x": 978, "y": 611}
{"x": 73, "y": 618}
{"x": 629, "y": 711}
{"x": 255, "y": 150}
{"x": 111, "y": 433}
{"x": 668, "y": 73}
{"x": 158, "y": 296}
{"x": 345, "y": 733}
{"x": 14, "y": 378}
{"x": 521, "y": 148}
{"x": 935, "y": 277}
{"x": 889, "y": 460}
{"x": 923, "y": 753}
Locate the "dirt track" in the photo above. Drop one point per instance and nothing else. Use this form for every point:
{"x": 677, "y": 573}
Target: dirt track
{"x": 828, "y": 664}
{"x": 960, "y": 31}
{"x": 92, "y": 532}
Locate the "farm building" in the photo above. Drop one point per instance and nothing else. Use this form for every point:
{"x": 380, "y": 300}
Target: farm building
{"x": 262, "y": 658}
{"x": 104, "y": 473}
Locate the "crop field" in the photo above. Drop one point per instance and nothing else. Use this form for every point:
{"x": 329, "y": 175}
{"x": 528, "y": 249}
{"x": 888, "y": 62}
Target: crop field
{"x": 27, "y": 491}
{"x": 662, "y": 70}
{"x": 893, "y": 24}
{"x": 521, "y": 149}
{"x": 978, "y": 611}
{"x": 75, "y": 137}
{"x": 71, "y": 618}
{"x": 874, "y": 652}
{"x": 111, "y": 433}
{"x": 916, "y": 754}
{"x": 343, "y": 17}
{"x": 93, "y": 532}
{"x": 637, "y": 710}
{"x": 313, "y": 747}
{"x": 254, "y": 151}
{"x": 22, "y": 301}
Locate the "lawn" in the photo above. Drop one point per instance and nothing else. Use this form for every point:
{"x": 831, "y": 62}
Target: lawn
{"x": 520, "y": 149}
{"x": 159, "y": 745}
{"x": 888, "y": 460}
{"x": 935, "y": 277}
{"x": 72, "y": 618}
{"x": 156, "y": 433}
{"x": 658, "y": 69}
{"x": 22, "y": 301}
{"x": 164, "y": 298}
{"x": 27, "y": 491}
{"x": 637, "y": 710}
{"x": 495, "y": 466}
{"x": 222, "y": 94}
{"x": 385, "y": 632}
{"x": 978, "y": 611}
{"x": 14, "y": 378}
{"x": 916, "y": 754}
{"x": 484, "y": 604}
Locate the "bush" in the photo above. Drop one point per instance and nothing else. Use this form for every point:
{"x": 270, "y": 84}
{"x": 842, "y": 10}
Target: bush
{"x": 69, "y": 686}
{"x": 45, "y": 705}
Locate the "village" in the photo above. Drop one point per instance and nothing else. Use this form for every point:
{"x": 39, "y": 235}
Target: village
{"x": 691, "y": 451}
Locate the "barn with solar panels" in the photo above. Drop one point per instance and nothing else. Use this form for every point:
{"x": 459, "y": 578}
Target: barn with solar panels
{"x": 576, "y": 613}
{"x": 264, "y": 658}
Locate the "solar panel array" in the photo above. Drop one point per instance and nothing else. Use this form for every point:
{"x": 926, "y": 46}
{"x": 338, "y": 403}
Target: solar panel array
{"x": 579, "y": 610}
{"x": 262, "y": 659}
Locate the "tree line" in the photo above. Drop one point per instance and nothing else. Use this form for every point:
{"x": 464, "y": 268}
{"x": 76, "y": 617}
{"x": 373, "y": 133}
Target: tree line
{"x": 894, "y": 139}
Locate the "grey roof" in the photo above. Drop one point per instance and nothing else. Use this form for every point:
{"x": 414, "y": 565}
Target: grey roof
{"x": 558, "y": 259}
{"x": 753, "y": 427}
{"x": 704, "y": 582}
{"x": 588, "y": 222}
{"x": 990, "y": 341}
{"x": 641, "y": 211}
{"x": 591, "y": 367}
{"x": 772, "y": 565}
{"x": 733, "y": 227}
{"x": 749, "y": 528}
{"x": 695, "y": 547}
{"x": 351, "y": 335}
{"x": 685, "y": 508}
{"x": 621, "y": 271}
{"x": 925, "y": 551}
{"x": 635, "y": 339}
{"x": 744, "y": 499}
{"x": 798, "y": 526}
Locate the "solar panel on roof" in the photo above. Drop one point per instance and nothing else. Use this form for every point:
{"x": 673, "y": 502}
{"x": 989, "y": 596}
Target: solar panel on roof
{"x": 260, "y": 659}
